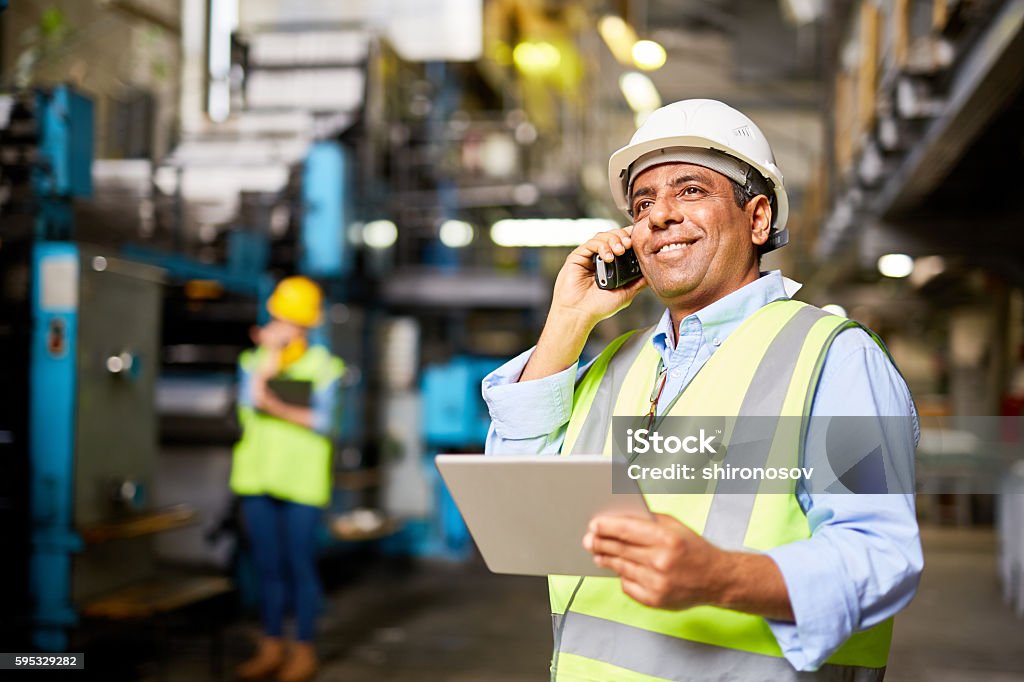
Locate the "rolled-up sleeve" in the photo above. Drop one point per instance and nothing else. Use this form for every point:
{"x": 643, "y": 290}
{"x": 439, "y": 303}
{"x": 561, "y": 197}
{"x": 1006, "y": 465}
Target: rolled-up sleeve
{"x": 863, "y": 560}
{"x": 528, "y": 417}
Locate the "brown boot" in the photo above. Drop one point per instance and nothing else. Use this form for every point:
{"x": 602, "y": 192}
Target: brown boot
{"x": 268, "y": 658}
{"x": 301, "y": 665}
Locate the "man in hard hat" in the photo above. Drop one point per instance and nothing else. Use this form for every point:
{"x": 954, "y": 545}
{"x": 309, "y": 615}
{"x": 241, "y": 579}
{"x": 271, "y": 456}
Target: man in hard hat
{"x": 282, "y": 471}
{"x": 744, "y": 586}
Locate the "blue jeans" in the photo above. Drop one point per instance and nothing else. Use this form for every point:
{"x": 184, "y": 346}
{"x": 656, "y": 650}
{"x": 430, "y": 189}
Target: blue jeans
{"x": 282, "y": 536}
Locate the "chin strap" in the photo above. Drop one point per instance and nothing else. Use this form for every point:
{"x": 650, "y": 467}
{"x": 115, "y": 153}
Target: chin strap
{"x": 775, "y": 240}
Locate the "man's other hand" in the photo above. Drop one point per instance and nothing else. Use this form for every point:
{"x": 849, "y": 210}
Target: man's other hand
{"x": 664, "y": 564}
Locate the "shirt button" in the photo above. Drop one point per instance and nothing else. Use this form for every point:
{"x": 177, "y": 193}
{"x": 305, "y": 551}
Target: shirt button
{"x": 717, "y": 341}
{"x": 675, "y": 373}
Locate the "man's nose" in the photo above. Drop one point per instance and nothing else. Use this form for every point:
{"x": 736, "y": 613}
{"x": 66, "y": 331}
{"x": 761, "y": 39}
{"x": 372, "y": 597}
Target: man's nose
{"x": 665, "y": 212}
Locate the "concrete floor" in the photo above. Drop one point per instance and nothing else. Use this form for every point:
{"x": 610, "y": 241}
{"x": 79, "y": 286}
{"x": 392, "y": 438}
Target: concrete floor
{"x": 957, "y": 627}
{"x": 441, "y": 622}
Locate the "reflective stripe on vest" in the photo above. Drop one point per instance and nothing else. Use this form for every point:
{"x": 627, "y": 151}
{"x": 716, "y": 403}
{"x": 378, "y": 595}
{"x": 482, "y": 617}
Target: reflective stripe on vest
{"x": 595, "y": 429}
{"x": 734, "y": 498}
{"x": 772, "y": 362}
{"x": 670, "y": 658}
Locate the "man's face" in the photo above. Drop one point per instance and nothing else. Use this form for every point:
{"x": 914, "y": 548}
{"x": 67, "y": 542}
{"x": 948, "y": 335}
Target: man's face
{"x": 693, "y": 242}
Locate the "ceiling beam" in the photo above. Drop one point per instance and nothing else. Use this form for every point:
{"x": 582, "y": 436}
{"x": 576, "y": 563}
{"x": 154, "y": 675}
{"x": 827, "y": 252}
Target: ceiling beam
{"x": 986, "y": 80}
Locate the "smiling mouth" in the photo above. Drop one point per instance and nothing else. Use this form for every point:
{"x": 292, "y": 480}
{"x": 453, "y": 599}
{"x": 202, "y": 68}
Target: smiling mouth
{"x": 675, "y": 246}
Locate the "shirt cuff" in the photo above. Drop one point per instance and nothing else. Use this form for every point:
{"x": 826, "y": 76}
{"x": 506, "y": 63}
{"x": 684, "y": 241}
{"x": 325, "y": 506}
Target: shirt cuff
{"x": 528, "y": 409}
{"x": 825, "y": 615}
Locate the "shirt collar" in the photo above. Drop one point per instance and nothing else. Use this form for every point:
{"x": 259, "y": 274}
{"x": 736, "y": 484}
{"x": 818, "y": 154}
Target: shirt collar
{"x": 719, "y": 319}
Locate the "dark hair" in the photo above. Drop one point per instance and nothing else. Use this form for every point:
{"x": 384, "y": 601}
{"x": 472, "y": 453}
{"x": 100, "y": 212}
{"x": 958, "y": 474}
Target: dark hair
{"x": 741, "y": 194}
{"x": 756, "y": 185}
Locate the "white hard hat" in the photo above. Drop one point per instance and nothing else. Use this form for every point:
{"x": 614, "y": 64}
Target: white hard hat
{"x": 707, "y": 133}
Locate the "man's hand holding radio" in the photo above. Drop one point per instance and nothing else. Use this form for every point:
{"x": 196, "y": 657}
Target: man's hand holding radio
{"x": 578, "y": 304}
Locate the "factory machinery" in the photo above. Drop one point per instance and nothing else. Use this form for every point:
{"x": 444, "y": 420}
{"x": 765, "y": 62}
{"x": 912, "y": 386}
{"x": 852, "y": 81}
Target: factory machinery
{"x": 81, "y": 334}
{"x": 80, "y": 337}
{"x": 90, "y": 491}
{"x": 130, "y": 286}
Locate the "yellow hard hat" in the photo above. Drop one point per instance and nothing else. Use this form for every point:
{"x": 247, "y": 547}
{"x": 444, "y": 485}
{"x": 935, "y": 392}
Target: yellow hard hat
{"x": 298, "y": 300}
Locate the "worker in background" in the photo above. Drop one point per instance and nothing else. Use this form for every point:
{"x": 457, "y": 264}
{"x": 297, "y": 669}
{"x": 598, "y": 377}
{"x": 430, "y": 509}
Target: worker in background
{"x": 282, "y": 471}
{"x": 827, "y": 572}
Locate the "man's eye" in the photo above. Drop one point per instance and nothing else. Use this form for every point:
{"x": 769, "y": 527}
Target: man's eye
{"x": 642, "y": 205}
{"x": 691, "y": 190}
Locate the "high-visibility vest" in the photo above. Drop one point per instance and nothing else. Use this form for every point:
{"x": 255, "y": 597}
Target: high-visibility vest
{"x": 769, "y": 366}
{"x": 276, "y": 457}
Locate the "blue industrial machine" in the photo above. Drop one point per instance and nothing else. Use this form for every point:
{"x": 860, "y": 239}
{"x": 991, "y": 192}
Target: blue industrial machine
{"x": 455, "y": 419}
{"x": 52, "y": 439}
{"x": 92, "y": 430}
{"x": 90, "y": 342}
{"x": 325, "y": 212}
{"x": 63, "y": 171}
{"x": 80, "y": 329}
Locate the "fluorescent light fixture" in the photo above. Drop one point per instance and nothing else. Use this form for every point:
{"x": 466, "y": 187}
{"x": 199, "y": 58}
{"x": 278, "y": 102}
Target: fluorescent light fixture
{"x": 456, "y": 234}
{"x": 619, "y": 37}
{"x": 380, "y": 234}
{"x": 835, "y": 309}
{"x": 648, "y": 55}
{"x": 896, "y": 265}
{"x": 639, "y": 91}
{"x": 548, "y": 231}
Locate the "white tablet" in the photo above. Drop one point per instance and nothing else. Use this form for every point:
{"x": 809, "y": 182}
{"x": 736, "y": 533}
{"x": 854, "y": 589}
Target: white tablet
{"x": 528, "y": 515}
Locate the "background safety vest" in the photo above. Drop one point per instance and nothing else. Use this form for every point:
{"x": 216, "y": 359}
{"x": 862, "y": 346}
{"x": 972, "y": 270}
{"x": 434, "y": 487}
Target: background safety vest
{"x": 276, "y": 457}
{"x": 768, "y": 367}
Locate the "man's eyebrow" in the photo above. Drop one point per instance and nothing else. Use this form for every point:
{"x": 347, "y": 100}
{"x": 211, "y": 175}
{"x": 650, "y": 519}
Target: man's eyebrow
{"x": 647, "y": 190}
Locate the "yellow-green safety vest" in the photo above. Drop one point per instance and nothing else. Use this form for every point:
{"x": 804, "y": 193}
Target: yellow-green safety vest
{"x": 276, "y": 457}
{"x": 769, "y": 366}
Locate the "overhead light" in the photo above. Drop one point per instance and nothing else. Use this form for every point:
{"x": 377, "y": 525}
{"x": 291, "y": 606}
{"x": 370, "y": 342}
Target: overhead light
{"x": 456, "y": 234}
{"x": 802, "y": 12}
{"x": 548, "y": 231}
{"x": 639, "y": 91}
{"x": 536, "y": 58}
{"x": 648, "y": 55}
{"x": 835, "y": 309}
{"x": 896, "y": 265}
{"x": 380, "y": 234}
{"x": 619, "y": 37}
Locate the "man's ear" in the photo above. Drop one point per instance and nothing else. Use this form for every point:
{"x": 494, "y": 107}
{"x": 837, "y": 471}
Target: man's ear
{"x": 760, "y": 211}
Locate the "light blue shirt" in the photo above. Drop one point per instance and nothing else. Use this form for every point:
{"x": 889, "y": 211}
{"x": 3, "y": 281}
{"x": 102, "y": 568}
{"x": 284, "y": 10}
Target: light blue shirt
{"x": 863, "y": 560}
